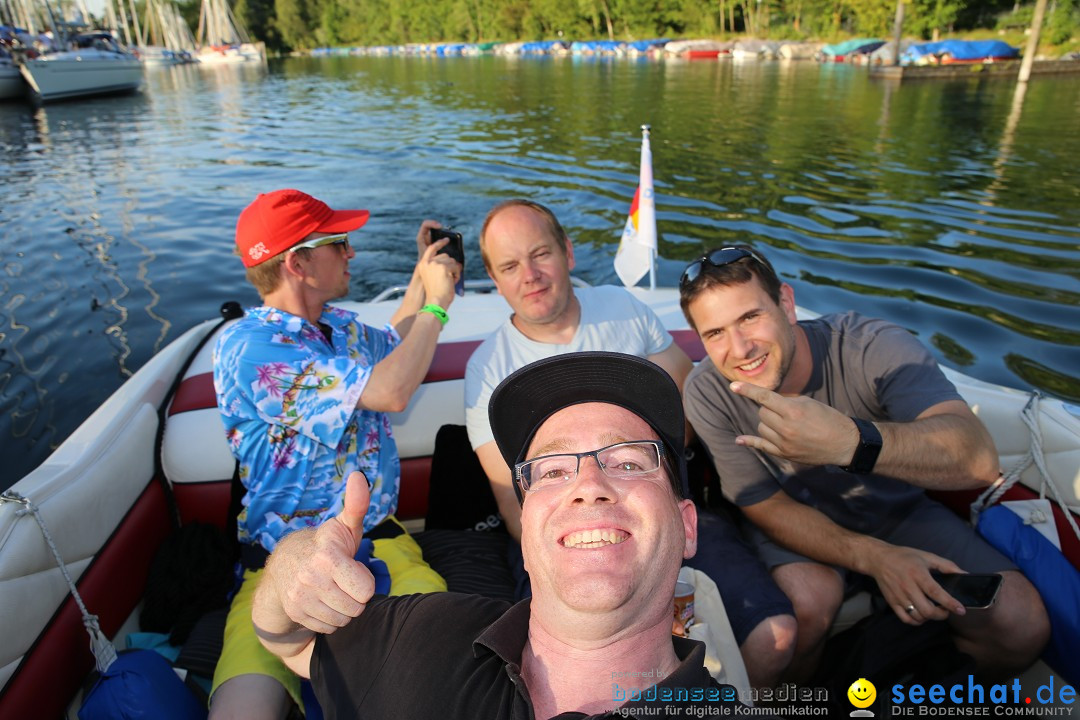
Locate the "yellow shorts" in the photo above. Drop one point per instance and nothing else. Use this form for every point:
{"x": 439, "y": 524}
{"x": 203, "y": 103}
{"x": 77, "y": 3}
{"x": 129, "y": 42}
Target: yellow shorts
{"x": 243, "y": 654}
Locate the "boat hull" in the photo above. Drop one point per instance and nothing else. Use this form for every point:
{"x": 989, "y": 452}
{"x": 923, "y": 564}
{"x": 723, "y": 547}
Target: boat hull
{"x": 12, "y": 84}
{"x": 231, "y": 54}
{"x": 80, "y": 74}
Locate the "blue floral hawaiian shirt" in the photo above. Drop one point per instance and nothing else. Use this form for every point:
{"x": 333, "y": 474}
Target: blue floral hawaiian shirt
{"x": 289, "y": 402}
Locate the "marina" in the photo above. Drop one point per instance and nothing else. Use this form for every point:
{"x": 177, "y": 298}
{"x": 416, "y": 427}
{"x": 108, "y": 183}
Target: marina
{"x": 945, "y": 207}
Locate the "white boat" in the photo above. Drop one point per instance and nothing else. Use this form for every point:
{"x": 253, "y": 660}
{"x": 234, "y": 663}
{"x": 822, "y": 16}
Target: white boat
{"x": 11, "y": 80}
{"x": 166, "y": 38}
{"x": 230, "y": 54}
{"x": 222, "y": 38}
{"x": 97, "y": 65}
{"x": 101, "y": 492}
{"x": 156, "y": 56}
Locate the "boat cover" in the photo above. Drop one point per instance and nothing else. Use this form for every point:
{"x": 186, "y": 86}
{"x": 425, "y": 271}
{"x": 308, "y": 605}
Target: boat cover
{"x": 849, "y": 46}
{"x": 960, "y": 50}
{"x": 543, "y": 46}
{"x": 597, "y": 47}
{"x": 677, "y": 47}
{"x": 644, "y": 45}
{"x": 884, "y": 53}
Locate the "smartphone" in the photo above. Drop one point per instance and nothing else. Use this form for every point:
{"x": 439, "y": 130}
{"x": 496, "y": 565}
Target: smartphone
{"x": 455, "y": 249}
{"x": 972, "y": 590}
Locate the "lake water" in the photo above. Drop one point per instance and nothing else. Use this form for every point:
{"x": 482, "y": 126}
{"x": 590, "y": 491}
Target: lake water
{"x": 948, "y": 207}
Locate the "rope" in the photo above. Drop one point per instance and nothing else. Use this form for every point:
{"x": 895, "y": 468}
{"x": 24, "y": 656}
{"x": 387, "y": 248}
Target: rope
{"x": 1030, "y": 417}
{"x": 100, "y": 646}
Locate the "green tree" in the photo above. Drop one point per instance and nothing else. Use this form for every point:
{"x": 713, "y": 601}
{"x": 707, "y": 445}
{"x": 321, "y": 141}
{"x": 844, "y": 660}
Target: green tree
{"x": 293, "y": 22}
{"x": 258, "y": 17}
{"x": 1063, "y": 21}
{"x": 924, "y": 17}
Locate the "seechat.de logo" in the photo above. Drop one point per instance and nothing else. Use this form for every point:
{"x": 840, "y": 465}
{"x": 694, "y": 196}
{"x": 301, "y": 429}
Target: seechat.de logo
{"x": 974, "y": 698}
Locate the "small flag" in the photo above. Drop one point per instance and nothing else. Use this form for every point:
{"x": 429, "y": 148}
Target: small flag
{"x": 638, "y": 245}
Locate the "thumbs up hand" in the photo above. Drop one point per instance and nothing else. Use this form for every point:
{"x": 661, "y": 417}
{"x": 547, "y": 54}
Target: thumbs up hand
{"x": 317, "y": 582}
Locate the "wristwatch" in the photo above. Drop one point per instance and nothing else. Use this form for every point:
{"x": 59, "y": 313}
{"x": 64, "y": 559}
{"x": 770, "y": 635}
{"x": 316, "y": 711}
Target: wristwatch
{"x": 866, "y": 452}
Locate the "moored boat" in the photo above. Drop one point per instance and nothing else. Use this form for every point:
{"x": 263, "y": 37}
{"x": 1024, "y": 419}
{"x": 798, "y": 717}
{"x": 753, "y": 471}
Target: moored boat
{"x": 102, "y": 493}
{"x": 841, "y": 52}
{"x": 222, "y": 38}
{"x": 11, "y": 80}
{"x": 96, "y": 65}
{"x": 699, "y": 49}
{"x": 951, "y": 52}
{"x": 230, "y": 54}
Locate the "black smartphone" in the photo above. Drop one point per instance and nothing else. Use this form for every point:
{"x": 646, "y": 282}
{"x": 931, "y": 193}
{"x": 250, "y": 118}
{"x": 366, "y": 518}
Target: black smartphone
{"x": 974, "y": 591}
{"x": 455, "y": 248}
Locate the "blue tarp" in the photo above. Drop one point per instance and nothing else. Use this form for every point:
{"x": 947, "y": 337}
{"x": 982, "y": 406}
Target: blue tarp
{"x": 451, "y": 49}
{"x": 542, "y": 46}
{"x": 596, "y": 46}
{"x": 960, "y": 50}
{"x": 644, "y": 45}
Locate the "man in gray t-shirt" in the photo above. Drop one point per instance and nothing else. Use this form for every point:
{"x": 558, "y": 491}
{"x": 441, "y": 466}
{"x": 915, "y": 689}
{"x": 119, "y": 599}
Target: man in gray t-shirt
{"x": 529, "y": 256}
{"x": 825, "y": 434}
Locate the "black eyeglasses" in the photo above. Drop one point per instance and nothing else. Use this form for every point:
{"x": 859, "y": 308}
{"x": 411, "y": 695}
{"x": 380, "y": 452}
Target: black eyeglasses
{"x": 717, "y": 258}
{"x": 621, "y": 460}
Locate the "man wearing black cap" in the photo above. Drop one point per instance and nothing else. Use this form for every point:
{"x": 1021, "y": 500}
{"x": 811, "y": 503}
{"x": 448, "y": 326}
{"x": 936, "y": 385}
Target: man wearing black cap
{"x": 605, "y": 526}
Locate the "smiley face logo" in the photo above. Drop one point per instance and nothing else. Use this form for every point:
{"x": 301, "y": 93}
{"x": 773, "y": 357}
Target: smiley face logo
{"x": 862, "y": 693}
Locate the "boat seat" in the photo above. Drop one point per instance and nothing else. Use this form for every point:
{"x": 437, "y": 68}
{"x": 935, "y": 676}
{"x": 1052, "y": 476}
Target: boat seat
{"x": 196, "y": 459}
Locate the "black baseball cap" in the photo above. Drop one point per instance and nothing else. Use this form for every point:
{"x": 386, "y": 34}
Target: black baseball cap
{"x": 524, "y": 400}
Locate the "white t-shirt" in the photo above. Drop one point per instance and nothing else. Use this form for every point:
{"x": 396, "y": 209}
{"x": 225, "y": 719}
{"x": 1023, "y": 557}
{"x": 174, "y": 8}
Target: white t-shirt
{"x": 612, "y": 320}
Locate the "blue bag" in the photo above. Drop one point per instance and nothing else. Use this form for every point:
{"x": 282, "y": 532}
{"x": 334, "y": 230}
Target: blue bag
{"x": 140, "y": 684}
{"x": 1057, "y": 581}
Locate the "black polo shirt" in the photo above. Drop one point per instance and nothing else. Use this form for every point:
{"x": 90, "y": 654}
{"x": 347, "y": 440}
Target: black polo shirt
{"x": 447, "y": 655}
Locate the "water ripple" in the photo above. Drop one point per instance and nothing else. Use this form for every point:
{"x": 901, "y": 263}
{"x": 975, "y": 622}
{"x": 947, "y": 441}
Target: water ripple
{"x": 949, "y": 208}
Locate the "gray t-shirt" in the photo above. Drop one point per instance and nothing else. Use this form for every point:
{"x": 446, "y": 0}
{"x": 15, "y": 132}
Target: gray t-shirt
{"x": 611, "y": 319}
{"x": 864, "y": 368}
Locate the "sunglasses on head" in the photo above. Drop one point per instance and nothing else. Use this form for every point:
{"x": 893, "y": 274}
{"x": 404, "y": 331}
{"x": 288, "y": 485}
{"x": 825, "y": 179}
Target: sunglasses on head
{"x": 717, "y": 258}
{"x": 339, "y": 239}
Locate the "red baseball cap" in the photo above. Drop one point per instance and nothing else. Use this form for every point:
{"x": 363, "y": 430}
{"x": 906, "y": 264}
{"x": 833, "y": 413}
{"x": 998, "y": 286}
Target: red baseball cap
{"x": 277, "y": 220}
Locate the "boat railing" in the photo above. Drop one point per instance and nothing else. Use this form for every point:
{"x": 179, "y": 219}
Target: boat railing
{"x": 479, "y": 287}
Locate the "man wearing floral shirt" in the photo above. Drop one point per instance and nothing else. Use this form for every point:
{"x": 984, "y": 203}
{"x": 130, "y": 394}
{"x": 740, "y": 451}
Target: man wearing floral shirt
{"x": 304, "y": 389}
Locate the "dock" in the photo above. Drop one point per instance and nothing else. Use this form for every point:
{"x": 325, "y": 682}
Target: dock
{"x": 959, "y": 71}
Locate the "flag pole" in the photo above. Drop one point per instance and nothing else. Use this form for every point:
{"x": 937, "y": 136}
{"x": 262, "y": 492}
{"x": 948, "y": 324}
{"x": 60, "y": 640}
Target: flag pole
{"x": 637, "y": 246}
{"x": 646, "y": 147}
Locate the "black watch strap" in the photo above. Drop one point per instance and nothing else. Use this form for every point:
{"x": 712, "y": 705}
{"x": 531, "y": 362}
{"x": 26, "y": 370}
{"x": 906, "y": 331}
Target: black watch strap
{"x": 866, "y": 452}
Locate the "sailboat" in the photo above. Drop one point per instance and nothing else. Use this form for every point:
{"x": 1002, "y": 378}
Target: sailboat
{"x": 79, "y": 63}
{"x": 11, "y": 82}
{"x": 222, "y": 38}
{"x": 89, "y": 64}
{"x": 164, "y": 36}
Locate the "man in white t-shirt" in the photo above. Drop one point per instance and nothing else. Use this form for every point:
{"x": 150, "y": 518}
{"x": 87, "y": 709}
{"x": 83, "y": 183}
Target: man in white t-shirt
{"x": 529, "y": 257}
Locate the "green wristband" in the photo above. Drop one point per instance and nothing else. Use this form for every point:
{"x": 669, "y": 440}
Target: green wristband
{"x": 436, "y": 311}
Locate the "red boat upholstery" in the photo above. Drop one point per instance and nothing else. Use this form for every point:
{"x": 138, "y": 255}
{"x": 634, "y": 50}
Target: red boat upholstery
{"x": 111, "y": 586}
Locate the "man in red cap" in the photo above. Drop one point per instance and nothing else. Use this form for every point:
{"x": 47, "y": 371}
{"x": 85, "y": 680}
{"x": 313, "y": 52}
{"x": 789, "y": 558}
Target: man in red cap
{"x": 304, "y": 389}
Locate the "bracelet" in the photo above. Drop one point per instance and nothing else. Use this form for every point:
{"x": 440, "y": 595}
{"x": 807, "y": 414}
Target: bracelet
{"x": 436, "y": 311}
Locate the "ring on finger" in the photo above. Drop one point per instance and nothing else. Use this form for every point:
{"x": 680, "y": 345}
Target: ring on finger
{"x": 910, "y": 609}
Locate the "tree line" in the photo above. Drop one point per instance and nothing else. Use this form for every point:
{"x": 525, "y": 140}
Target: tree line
{"x": 303, "y": 24}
